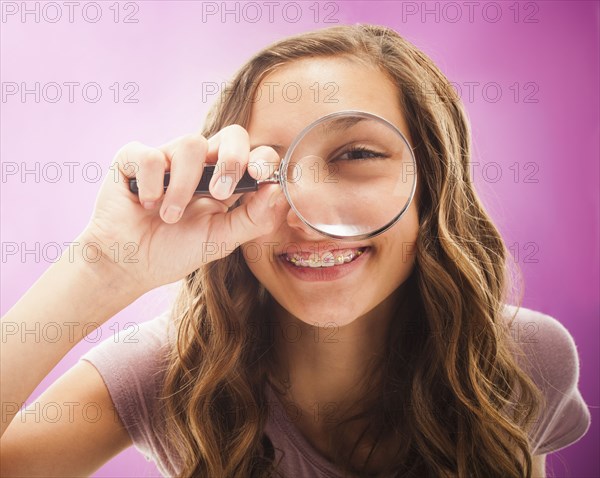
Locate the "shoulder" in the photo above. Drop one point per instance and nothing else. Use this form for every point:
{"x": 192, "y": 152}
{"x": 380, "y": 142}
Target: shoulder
{"x": 548, "y": 353}
{"x": 136, "y": 340}
{"x": 132, "y": 364}
{"x": 132, "y": 361}
{"x": 548, "y": 348}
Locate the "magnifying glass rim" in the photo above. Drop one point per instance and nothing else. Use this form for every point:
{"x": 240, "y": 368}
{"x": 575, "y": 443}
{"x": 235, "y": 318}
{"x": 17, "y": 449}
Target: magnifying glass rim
{"x": 283, "y": 167}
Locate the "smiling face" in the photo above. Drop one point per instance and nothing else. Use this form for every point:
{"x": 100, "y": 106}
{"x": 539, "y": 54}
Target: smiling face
{"x": 364, "y": 273}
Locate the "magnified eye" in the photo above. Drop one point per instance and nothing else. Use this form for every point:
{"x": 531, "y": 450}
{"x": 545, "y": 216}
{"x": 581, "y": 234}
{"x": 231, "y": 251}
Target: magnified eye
{"x": 350, "y": 174}
{"x": 359, "y": 153}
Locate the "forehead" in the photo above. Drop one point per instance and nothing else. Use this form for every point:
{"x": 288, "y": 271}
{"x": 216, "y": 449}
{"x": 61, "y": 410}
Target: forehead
{"x": 298, "y": 93}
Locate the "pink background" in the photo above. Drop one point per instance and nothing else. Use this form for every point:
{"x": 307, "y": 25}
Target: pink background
{"x": 549, "y": 133}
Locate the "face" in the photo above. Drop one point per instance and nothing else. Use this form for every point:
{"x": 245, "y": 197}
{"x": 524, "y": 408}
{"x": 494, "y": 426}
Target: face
{"x": 340, "y": 293}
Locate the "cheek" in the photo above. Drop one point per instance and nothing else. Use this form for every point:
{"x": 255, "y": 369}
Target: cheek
{"x": 256, "y": 257}
{"x": 392, "y": 263}
{"x": 406, "y": 246}
{"x": 397, "y": 248}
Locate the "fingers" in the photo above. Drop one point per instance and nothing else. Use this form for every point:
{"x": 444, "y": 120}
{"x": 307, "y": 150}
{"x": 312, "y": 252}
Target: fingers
{"x": 230, "y": 150}
{"x": 263, "y": 162}
{"x": 232, "y": 147}
{"x": 187, "y": 156}
{"x": 147, "y": 165}
{"x": 253, "y": 218}
{"x": 183, "y": 157}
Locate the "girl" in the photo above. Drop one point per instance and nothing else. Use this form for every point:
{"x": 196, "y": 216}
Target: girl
{"x": 401, "y": 362}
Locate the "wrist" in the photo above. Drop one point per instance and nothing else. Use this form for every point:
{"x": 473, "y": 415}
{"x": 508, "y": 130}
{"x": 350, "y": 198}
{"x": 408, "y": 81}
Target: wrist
{"x": 106, "y": 266}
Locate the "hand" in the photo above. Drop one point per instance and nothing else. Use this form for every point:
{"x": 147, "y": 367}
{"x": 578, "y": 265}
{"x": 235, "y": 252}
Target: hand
{"x": 159, "y": 237}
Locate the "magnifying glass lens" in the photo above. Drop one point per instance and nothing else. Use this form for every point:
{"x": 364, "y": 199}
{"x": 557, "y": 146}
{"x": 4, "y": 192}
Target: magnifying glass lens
{"x": 350, "y": 175}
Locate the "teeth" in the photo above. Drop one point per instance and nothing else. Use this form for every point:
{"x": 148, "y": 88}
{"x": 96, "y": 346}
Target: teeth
{"x": 328, "y": 259}
{"x": 314, "y": 260}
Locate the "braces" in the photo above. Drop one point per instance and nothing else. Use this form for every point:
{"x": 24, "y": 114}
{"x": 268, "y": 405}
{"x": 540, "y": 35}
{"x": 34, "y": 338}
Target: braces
{"x": 339, "y": 259}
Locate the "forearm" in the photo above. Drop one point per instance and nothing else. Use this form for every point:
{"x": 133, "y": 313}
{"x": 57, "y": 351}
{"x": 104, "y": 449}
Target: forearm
{"x": 69, "y": 301}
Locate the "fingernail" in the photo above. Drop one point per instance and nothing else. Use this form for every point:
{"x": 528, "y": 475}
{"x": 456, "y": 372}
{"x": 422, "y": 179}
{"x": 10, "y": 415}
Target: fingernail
{"x": 172, "y": 214}
{"x": 224, "y": 186}
{"x": 149, "y": 204}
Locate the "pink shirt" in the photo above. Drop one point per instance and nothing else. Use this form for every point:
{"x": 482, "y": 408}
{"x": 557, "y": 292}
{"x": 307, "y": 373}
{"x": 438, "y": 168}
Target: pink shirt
{"x": 131, "y": 368}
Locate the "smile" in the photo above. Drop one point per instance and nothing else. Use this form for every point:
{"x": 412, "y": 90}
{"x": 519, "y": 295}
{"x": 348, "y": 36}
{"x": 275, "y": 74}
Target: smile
{"x": 325, "y": 259}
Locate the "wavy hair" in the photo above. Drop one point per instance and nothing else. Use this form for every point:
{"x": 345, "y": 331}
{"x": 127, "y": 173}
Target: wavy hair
{"x": 453, "y": 400}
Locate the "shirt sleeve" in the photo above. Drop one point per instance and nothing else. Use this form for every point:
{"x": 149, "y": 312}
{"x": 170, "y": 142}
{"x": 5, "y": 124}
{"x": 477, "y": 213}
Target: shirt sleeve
{"x": 553, "y": 363}
{"x": 132, "y": 365}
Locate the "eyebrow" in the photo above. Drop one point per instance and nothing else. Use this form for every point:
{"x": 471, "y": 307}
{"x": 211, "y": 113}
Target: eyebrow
{"x": 336, "y": 124}
{"x": 277, "y": 147}
{"x": 343, "y": 123}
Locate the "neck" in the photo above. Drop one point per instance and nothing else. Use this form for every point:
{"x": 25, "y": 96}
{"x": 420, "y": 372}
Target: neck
{"x": 319, "y": 366}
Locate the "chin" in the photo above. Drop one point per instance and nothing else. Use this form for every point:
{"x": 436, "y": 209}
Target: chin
{"x": 323, "y": 313}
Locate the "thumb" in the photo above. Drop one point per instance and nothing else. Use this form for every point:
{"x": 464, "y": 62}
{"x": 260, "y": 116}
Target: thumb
{"x": 252, "y": 219}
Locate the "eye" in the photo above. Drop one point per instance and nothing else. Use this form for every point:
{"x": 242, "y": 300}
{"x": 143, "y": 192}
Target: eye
{"x": 359, "y": 153}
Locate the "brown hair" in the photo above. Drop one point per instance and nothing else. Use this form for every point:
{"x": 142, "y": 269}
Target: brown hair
{"x": 449, "y": 375}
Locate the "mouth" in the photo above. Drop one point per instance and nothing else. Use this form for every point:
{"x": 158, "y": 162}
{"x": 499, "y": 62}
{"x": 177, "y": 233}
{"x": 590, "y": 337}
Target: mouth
{"x": 326, "y": 265}
{"x": 325, "y": 259}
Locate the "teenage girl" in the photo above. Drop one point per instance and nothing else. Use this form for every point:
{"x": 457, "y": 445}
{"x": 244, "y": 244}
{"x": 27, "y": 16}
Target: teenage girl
{"x": 400, "y": 362}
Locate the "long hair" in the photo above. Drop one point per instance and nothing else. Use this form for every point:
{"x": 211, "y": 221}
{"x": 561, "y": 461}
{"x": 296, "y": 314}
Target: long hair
{"x": 453, "y": 400}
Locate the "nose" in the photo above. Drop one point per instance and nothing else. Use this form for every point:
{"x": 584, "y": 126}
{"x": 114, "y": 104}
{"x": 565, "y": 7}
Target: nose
{"x": 301, "y": 229}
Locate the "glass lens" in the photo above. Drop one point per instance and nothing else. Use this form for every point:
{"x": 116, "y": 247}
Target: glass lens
{"x": 350, "y": 175}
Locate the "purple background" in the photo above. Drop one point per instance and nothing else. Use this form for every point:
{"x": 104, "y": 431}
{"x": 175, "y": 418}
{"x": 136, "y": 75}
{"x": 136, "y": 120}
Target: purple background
{"x": 548, "y": 55}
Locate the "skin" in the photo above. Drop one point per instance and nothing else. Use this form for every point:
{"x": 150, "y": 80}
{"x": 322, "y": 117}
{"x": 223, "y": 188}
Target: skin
{"x": 318, "y": 371}
{"x": 170, "y": 230}
{"x": 356, "y": 308}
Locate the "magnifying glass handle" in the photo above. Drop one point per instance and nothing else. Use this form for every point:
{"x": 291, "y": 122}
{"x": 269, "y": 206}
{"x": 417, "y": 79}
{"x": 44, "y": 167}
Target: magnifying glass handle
{"x": 246, "y": 184}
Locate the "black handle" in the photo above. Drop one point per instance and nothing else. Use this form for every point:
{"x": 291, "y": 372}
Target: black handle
{"x": 246, "y": 184}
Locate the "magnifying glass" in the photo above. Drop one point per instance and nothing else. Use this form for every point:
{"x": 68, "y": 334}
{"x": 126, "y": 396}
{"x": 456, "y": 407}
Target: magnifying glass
{"x": 349, "y": 175}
